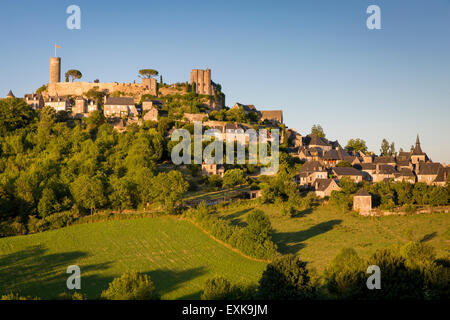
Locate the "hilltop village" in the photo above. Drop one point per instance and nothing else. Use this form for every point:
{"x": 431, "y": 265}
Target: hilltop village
{"x": 201, "y": 99}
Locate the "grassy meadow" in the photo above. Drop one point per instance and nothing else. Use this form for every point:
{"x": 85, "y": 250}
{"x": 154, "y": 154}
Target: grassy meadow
{"x": 317, "y": 235}
{"x": 177, "y": 255}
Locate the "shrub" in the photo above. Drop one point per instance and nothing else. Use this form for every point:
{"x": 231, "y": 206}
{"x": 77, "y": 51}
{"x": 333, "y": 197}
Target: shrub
{"x": 345, "y": 275}
{"x": 131, "y": 286}
{"x": 286, "y": 278}
{"x": 217, "y": 288}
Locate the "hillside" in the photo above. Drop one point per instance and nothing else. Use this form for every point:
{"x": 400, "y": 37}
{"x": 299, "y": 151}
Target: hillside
{"x": 178, "y": 257}
{"x": 317, "y": 235}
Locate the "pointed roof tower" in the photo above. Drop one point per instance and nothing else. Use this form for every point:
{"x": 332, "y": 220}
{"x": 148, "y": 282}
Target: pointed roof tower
{"x": 10, "y": 94}
{"x": 417, "y": 150}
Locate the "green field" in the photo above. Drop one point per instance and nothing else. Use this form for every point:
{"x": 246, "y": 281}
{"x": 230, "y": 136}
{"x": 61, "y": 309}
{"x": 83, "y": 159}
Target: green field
{"x": 317, "y": 235}
{"x": 176, "y": 254}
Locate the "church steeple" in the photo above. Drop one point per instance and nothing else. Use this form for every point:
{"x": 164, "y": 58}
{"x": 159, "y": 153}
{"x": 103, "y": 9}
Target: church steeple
{"x": 417, "y": 150}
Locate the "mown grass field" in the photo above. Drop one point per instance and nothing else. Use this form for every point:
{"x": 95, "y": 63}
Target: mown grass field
{"x": 177, "y": 255}
{"x": 317, "y": 235}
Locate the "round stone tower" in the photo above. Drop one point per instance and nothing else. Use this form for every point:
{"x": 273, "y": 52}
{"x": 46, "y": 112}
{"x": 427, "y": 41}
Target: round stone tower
{"x": 55, "y": 70}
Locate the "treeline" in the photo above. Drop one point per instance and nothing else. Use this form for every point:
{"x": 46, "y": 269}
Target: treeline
{"x": 49, "y": 164}
{"x": 254, "y": 240}
{"x": 391, "y": 195}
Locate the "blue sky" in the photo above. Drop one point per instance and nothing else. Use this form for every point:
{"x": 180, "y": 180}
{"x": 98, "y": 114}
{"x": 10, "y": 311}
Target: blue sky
{"x": 315, "y": 60}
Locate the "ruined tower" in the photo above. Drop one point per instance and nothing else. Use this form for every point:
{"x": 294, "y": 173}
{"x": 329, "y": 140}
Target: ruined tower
{"x": 202, "y": 80}
{"x": 55, "y": 70}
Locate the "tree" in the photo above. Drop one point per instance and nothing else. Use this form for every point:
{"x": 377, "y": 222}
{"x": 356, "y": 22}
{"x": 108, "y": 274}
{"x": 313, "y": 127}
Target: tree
{"x": 217, "y": 288}
{"x": 356, "y": 145}
{"x": 148, "y": 73}
{"x": 14, "y": 114}
{"x": 168, "y": 189}
{"x": 88, "y": 192}
{"x": 73, "y": 74}
{"x": 345, "y": 276}
{"x": 344, "y": 163}
{"x": 387, "y": 149}
{"x": 286, "y": 278}
{"x": 131, "y": 286}
{"x": 317, "y": 130}
{"x": 233, "y": 177}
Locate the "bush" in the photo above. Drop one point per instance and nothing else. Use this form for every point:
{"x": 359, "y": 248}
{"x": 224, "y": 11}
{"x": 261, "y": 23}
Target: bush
{"x": 345, "y": 275}
{"x": 16, "y": 296}
{"x": 286, "y": 278}
{"x": 217, "y": 288}
{"x": 131, "y": 286}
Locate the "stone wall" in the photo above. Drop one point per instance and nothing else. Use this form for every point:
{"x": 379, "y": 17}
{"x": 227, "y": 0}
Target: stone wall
{"x": 80, "y": 88}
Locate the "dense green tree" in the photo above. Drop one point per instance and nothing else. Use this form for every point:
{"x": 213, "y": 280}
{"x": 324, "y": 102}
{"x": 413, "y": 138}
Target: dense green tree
{"x": 73, "y": 74}
{"x": 344, "y": 163}
{"x": 356, "y": 145}
{"x": 14, "y": 114}
{"x": 317, "y": 130}
{"x": 286, "y": 278}
{"x": 345, "y": 276}
{"x": 233, "y": 177}
{"x": 131, "y": 286}
{"x": 148, "y": 73}
{"x": 217, "y": 288}
{"x": 88, "y": 192}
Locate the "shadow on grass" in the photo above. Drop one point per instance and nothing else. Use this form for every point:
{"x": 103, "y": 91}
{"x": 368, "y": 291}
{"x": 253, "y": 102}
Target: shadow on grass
{"x": 428, "y": 237}
{"x": 302, "y": 213}
{"x": 35, "y": 272}
{"x": 291, "y": 242}
{"x": 169, "y": 280}
{"x": 236, "y": 217}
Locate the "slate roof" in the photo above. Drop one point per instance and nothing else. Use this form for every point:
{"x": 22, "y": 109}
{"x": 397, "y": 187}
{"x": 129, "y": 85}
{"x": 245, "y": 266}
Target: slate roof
{"x": 318, "y": 141}
{"x": 10, "y": 94}
{"x": 312, "y": 166}
{"x": 272, "y": 115}
{"x": 362, "y": 193}
{"x": 347, "y": 171}
{"x": 322, "y": 184}
{"x": 430, "y": 168}
{"x": 405, "y": 172}
{"x": 120, "y": 101}
{"x": 368, "y": 166}
{"x": 384, "y": 159}
{"x": 386, "y": 169}
{"x": 331, "y": 155}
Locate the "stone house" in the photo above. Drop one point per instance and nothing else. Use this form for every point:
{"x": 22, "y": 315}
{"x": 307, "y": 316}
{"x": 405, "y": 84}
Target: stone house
{"x": 352, "y": 173}
{"x": 273, "y": 116}
{"x": 36, "y": 101}
{"x": 314, "y": 141}
{"x": 191, "y": 117}
{"x": 368, "y": 170}
{"x": 442, "y": 176}
{"x": 310, "y": 171}
{"x": 384, "y": 172}
{"x": 149, "y": 104}
{"x": 59, "y": 103}
{"x": 405, "y": 174}
{"x": 362, "y": 202}
{"x": 213, "y": 169}
{"x": 427, "y": 172}
{"x": 83, "y": 107}
{"x": 120, "y": 107}
{"x": 246, "y": 107}
{"x": 385, "y": 160}
{"x": 324, "y": 187}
